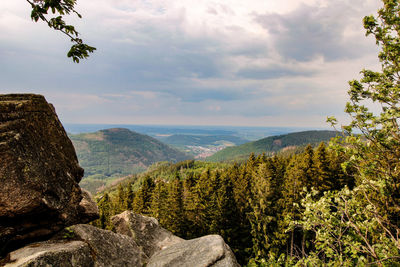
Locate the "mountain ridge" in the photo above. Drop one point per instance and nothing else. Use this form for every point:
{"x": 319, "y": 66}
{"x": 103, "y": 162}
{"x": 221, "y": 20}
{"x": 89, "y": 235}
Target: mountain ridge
{"x": 272, "y": 144}
{"x": 112, "y": 153}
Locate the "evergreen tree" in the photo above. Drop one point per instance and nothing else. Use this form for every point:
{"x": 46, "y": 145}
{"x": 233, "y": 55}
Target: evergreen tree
{"x": 105, "y": 212}
{"x": 324, "y": 178}
{"x": 227, "y": 217}
{"x": 339, "y": 176}
{"x": 212, "y": 209}
{"x": 121, "y": 199}
{"x": 307, "y": 167}
{"x": 159, "y": 208}
{"x": 242, "y": 177}
{"x": 174, "y": 219}
{"x": 189, "y": 203}
{"x": 266, "y": 209}
{"x": 298, "y": 177}
{"x": 263, "y": 215}
{"x": 202, "y": 197}
{"x": 142, "y": 200}
{"x": 129, "y": 197}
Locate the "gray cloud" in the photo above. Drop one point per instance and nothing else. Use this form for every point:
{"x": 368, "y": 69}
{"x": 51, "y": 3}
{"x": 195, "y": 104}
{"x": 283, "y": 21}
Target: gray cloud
{"x": 158, "y": 63}
{"x": 312, "y": 31}
{"x": 272, "y": 72}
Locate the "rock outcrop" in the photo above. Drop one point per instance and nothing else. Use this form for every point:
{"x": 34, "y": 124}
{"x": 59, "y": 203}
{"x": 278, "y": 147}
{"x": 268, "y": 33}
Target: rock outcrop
{"x": 40, "y": 196}
{"x": 88, "y": 206}
{"x": 84, "y": 245}
{"x": 146, "y": 232}
{"x": 210, "y": 250}
{"x": 167, "y": 250}
{"x": 39, "y": 172}
{"x": 52, "y": 253}
{"x": 81, "y": 245}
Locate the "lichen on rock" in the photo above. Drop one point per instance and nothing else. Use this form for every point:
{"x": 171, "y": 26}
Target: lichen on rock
{"x": 39, "y": 171}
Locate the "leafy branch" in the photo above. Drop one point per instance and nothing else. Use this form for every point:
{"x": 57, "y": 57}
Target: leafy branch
{"x": 40, "y": 8}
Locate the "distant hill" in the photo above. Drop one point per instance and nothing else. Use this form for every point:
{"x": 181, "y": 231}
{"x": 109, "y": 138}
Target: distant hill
{"x": 117, "y": 152}
{"x": 201, "y": 140}
{"x": 272, "y": 144}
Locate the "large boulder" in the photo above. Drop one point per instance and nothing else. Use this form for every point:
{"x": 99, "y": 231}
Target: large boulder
{"x": 81, "y": 246}
{"x": 210, "y": 251}
{"x": 39, "y": 172}
{"x": 51, "y": 253}
{"x": 167, "y": 250}
{"x": 110, "y": 249}
{"x": 88, "y": 206}
{"x": 145, "y": 231}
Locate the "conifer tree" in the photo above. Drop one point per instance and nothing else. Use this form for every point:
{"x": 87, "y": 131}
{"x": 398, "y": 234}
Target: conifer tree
{"x": 241, "y": 177}
{"x": 202, "y": 197}
{"x": 211, "y": 206}
{"x": 174, "y": 219}
{"x": 142, "y": 200}
{"x": 339, "y": 176}
{"x": 159, "y": 204}
{"x": 298, "y": 177}
{"x": 266, "y": 207}
{"x": 324, "y": 179}
{"x": 105, "y": 211}
{"x": 189, "y": 203}
{"x": 226, "y": 217}
{"x": 120, "y": 201}
{"x": 129, "y": 197}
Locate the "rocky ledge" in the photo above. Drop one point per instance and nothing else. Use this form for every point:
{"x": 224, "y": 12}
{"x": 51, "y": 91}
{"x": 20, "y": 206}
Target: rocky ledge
{"x": 42, "y": 207}
{"x": 86, "y": 245}
{"x": 39, "y": 172}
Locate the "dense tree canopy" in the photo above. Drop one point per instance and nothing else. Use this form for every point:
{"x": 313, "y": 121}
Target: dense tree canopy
{"x": 59, "y": 8}
{"x": 250, "y": 205}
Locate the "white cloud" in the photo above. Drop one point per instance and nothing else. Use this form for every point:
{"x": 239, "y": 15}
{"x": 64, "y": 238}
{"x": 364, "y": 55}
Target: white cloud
{"x": 220, "y": 62}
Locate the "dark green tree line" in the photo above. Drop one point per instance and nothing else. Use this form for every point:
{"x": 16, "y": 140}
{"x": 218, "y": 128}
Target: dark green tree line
{"x": 246, "y": 204}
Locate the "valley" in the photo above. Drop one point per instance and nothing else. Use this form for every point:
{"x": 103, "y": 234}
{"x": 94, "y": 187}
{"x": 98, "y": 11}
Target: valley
{"x": 114, "y": 154}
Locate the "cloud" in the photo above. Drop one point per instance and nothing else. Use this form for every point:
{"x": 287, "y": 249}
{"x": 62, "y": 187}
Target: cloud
{"x": 310, "y": 31}
{"x": 230, "y": 62}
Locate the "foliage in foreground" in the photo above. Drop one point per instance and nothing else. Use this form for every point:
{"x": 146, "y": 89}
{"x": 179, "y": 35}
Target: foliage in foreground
{"x": 362, "y": 226}
{"x": 40, "y": 10}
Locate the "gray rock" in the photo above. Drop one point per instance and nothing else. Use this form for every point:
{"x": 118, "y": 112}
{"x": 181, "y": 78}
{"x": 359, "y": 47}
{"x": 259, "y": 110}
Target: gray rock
{"x": 145, "y": 231}
{"x": 88, "y": 206}
{"x": 52, "y": 253}
{"x": 86, "y": 246}
{"x": 205, "y": 251}
{"x": 108, "y": 248}
{"x": 39, "y": 172}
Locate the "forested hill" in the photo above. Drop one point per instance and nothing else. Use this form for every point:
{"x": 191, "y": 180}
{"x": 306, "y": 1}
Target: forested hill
{"x": 117, "y": 152}
{"x": 202, "y": 140}
{"x": 272, "y": 144}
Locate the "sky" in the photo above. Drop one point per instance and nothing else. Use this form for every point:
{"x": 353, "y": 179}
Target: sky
{"x": 181, "y": 62}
